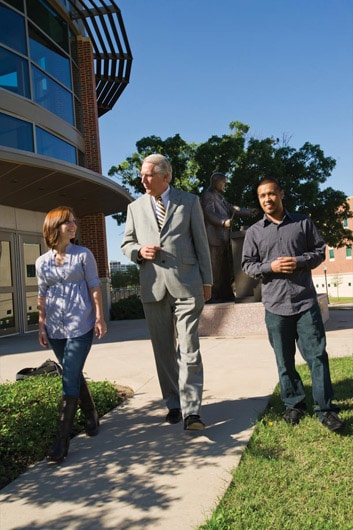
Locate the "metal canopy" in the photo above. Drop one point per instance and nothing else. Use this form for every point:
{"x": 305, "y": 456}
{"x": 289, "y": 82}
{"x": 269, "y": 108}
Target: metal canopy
{"x": 40, "y": 184}
{"x": 104, "y": 25}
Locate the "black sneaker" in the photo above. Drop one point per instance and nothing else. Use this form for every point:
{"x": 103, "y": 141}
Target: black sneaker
{"x": 193, "y": 423}
{"x": 332, "y": 421}
{"x": 293, "y": 416}
{"x": 173, "y": 416}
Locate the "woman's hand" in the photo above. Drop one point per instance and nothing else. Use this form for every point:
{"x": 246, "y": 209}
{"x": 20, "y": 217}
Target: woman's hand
{"x": 100, "y": 328}
{"x": 43, "y": 339}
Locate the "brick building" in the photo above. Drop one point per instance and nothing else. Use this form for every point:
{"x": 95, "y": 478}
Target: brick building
{"x": 335, "y": 275}
{"x": 63, "y": 64}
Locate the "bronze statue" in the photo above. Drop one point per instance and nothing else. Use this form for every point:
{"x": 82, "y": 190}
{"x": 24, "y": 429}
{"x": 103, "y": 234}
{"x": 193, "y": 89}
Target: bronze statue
{"x": 218, "y": 214}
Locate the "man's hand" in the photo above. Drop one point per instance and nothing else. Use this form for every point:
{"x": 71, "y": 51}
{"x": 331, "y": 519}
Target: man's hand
{"x": 285, "y": 265}
{"x": 207, "y": 292}
{"x": 149, "y": 252}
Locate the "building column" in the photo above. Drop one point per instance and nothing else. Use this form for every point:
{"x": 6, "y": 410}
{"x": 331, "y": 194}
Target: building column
{"x": 92, "y": 227}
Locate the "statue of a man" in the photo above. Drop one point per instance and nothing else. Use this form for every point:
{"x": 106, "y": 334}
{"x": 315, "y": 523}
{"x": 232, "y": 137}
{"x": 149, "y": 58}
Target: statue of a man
{"x": 218, "y": 215}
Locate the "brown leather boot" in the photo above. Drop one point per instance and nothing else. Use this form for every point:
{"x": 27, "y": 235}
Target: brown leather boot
{"x": 62, "y": 442}
{"x": 89, "y": 411}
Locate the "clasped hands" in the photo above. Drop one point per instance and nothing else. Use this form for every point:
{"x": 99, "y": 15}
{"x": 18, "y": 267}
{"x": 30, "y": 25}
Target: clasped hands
{"x": 284, "y": 264}
{"x": 148, "y": 252}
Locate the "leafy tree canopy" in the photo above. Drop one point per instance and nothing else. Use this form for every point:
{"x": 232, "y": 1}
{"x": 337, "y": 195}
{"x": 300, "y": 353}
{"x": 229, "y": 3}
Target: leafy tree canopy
{"x": 245, "y": 160}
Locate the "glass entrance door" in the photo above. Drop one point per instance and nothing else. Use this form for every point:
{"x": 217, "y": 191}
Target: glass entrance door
{"x": 18, "y": 283}
{"x": 8, "y": 311}
{"x": 30, "y": 247}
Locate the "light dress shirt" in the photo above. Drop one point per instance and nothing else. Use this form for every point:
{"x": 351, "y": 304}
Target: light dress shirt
{"x": 165, "y": 199}
{"x": 70, "y": 311}
{"x": 295, "y": 236}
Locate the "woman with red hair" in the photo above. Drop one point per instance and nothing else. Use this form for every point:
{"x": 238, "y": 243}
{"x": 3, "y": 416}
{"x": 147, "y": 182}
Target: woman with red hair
{"x": 70, "y": 312}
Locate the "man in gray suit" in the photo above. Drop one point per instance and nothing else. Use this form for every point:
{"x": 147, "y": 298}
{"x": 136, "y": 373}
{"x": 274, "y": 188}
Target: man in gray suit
{"x": 176, "y": 280}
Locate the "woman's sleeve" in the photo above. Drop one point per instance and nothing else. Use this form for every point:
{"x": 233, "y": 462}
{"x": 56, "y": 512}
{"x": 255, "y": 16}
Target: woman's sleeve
{"x": 90, "y": 269}
{"x": 41, "y": 281}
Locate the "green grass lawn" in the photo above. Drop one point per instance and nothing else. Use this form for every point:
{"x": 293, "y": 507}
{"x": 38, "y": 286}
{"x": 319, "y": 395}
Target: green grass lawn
{"x": 29, "y": 412}
{"x": 294, "y": 477}
{"x": 341, "y": 300}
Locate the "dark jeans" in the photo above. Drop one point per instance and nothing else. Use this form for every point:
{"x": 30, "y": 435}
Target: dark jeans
{"x": 72, "y": 354}
{"x": 307, "y": 330}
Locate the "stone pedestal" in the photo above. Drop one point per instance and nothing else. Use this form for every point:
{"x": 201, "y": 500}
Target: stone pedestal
{"x": 239, "y": 320}
{"x": 232, "y": 320}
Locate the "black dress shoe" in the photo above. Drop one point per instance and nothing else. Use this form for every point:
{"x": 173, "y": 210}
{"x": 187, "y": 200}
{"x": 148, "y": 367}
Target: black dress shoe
{"x": 174, "y": 416}
{"x": 293, "y": 416}
{"x": 332, "y": 421}
{"x": 193, "y": 423}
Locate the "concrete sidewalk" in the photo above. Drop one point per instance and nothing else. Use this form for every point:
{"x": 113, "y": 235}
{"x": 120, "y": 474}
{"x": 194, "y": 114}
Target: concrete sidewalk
{"x": 139, "y": 472}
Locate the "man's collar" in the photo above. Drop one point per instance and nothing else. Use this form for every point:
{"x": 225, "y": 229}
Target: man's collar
{"x": 266, "y": 220}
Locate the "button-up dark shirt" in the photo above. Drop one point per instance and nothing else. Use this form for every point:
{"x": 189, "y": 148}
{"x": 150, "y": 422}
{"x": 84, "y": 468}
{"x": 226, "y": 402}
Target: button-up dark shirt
{"x": 295, "y": 236}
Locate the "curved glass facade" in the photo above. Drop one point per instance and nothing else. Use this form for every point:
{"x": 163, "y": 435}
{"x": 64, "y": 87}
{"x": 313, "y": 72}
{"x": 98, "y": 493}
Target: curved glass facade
{"x": 48, "y": 144}
{"x": 15, "y": 133}
{"x": 36, "y": 63}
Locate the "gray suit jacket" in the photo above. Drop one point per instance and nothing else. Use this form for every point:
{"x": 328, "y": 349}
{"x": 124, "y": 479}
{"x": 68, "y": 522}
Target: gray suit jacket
{"x": 183, "y": 264}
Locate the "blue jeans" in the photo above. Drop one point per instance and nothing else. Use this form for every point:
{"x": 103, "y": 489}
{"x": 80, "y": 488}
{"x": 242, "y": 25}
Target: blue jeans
{"x": 307, "y": 330}
{"x": 72, "y": 354}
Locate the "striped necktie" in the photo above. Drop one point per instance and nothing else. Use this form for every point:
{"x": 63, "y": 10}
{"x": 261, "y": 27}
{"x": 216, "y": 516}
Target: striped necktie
{"x": 160, "y": 211}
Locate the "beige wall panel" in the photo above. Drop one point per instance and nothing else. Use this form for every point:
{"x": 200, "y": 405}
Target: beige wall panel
{"x": 21, "y": 220}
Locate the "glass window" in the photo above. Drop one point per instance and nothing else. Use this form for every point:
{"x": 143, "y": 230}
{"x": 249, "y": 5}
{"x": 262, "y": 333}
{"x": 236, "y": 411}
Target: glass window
{"x": 5, "y": 264}
{"x": 14, "y": 73}
{"x": 49, "y": 21}
{"x": 31, "y": 251}
{"x": 52, "y": 96}
{"x": 73, "y": 47}
{"x": 49, "y": 58}
{"x": 345, "y": 223}
{"x": 12, "y": 30}
{"x": 31, "y": 311}
{"x": 76, "y": 80}
{"x": 348, "y": 252}
{"x": 331, "y": 253}
{"x": 81, "y": 158}
{"x": 18, "y": 4}
{"x": 50, "y": 145}
{"x": 16, "y": 133}
{"x": 7, "y": 319}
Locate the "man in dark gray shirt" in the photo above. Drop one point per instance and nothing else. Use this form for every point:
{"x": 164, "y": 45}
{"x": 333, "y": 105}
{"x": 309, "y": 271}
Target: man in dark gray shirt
{"x": 281, "y": 249}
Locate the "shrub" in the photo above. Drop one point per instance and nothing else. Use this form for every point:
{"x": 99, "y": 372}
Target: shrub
{"x": 127, "y": 308}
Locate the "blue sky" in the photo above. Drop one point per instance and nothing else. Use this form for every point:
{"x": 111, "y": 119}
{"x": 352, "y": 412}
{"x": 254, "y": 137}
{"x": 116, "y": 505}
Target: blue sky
{"x": 284, "y": 67}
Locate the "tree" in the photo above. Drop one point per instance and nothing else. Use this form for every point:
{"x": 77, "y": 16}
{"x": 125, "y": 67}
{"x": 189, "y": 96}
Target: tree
{"x": 244, "y": 160}
{"x": 337, "y": 280}
{"x": 125, "y": 278}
